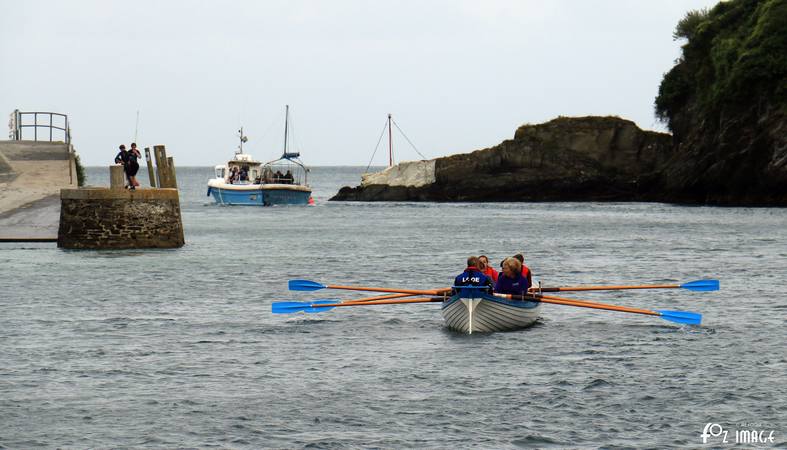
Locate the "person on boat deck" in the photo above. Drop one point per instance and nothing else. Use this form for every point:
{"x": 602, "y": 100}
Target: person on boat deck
{"x": 288, "y": 178}
{"x": 278, "y": 177}
{"x": 267, "y": 175}
{"x": 483, "y": 265}
{"x": 233, "y": 175}
{"x": 511, "y": 281}
{"x": 472, "y": 276}
{"x": 525, "y": 270}
{"x": 244, "y": 173}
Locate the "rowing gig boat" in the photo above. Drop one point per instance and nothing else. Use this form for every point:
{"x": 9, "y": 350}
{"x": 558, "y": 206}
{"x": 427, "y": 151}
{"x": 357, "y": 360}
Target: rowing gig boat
{"x": 471, "y": 310}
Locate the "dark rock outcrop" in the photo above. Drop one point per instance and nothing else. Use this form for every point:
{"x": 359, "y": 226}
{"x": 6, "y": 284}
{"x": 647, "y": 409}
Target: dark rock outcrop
{"x": 583, "y": 158}
{"x": 725, "y": 102}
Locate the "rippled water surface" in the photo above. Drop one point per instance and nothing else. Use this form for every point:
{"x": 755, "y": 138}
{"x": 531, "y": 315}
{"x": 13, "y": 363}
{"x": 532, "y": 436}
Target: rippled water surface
{"x": 178, "y": 348}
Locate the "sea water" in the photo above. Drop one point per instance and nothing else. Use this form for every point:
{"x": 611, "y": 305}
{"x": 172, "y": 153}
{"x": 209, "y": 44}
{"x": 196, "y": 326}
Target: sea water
{"x": 178, "y": 348}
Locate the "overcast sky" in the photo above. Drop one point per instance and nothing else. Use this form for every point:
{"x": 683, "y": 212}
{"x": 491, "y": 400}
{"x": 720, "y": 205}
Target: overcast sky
{"x": 456, "y": 75}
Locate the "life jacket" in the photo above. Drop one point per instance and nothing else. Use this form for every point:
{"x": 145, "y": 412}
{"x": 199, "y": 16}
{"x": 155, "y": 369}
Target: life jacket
{"x": 491, "y": 273}
{"x": 525, "y": 271}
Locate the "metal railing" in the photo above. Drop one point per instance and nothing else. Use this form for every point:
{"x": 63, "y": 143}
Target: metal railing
{"x": 20, "y": 121}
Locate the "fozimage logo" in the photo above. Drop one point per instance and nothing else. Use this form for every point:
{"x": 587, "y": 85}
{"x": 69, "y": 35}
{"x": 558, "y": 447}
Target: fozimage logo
{"x": 751, "y": 433}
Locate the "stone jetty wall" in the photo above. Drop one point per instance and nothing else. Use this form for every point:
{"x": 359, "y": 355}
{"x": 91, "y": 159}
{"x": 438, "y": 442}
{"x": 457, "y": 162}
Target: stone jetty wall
{"x": 101, "y": 218}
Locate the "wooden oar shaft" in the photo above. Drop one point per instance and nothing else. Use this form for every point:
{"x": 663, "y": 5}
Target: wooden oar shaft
{"x": 380, "y": 302}
{"x": 379, "y": 297}
{"x": 594, "y": 305}
{"x": 376, "y": 289}
{"x": 581, "y": 303}
{"x": 603, "y": 288}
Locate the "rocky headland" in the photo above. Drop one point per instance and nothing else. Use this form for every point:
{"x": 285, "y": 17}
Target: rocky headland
{"x": 583, "y": 158}
{"x": 725, "y": 103}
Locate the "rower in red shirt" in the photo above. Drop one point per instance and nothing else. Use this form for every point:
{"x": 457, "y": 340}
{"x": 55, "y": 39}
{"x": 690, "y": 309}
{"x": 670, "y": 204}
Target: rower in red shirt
{"x": 486, "y": 269}
{"x": 525, "y": 270}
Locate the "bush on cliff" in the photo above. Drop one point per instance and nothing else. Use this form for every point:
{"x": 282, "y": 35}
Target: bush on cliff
{"x": 725, "y": 101}
{"x": 733, "y": 52}
{"x": 80, "y": 171}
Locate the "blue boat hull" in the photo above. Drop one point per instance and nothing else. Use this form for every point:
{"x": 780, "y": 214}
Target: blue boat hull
{"x": 259, "y": 197}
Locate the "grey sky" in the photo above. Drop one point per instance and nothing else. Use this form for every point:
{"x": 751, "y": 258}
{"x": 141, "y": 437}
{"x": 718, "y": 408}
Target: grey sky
{"x": 456, "y": 75}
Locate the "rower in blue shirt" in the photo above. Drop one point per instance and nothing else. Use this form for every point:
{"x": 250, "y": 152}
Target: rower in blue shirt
{"x": 472, "y": 276}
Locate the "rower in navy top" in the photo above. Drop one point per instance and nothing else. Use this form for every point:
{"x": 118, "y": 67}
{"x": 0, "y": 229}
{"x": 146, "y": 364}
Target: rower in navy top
{"x": 511, "y": 281}
{"x": 472, "y": 276}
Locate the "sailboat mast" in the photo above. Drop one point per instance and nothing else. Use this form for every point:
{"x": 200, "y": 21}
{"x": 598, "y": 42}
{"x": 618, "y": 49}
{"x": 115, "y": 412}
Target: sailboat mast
{"x": 390, "y": 143}
{"x": 286, "y": 120}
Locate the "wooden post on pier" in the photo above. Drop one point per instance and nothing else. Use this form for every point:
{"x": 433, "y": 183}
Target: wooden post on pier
{"x": 151, "y": 174}
{"x": 117, "y": 178}
{"x": 157, "y": 155}
{"x": 171, "y": 175}
{"x": 161, "y": 166}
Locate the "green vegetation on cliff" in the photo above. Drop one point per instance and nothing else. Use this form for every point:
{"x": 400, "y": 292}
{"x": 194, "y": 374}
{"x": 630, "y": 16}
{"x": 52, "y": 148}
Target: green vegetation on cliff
{"x": 725, "y": 102}
{"x": 735, "y": 51}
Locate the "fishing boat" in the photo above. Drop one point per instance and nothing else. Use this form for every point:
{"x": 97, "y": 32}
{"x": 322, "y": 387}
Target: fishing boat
{"x": 246, "y": 181}
{"x": 472, "y": 310}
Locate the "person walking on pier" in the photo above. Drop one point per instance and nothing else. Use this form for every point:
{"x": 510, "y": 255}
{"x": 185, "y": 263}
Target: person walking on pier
{"x": 132, "y": 166}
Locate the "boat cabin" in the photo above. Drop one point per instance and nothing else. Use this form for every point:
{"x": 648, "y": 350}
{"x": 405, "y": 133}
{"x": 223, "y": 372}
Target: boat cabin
{"x": 240, "y": 170}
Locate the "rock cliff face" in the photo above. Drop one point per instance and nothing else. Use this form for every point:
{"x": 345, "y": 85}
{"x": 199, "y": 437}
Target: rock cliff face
{"x": 583, "y": 159}
{"x": 726, "y": 104}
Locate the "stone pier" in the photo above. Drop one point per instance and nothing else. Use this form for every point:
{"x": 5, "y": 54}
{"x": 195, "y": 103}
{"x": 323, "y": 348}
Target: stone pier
{"x": 31, "y": 176}
{"x": 102, "y": 218}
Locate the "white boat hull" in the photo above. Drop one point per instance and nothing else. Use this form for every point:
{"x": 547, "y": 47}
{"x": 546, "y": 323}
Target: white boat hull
{"x": 487, "y": 314}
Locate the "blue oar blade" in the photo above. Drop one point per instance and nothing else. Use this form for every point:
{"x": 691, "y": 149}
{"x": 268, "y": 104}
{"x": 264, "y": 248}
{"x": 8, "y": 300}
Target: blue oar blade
{"x": 288, "y": 307}
{"x": 701, "y": 285}
{"x": 686, "y": 317}
{"x": 304, "y": 285}
{"x": 292, "y": 307}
